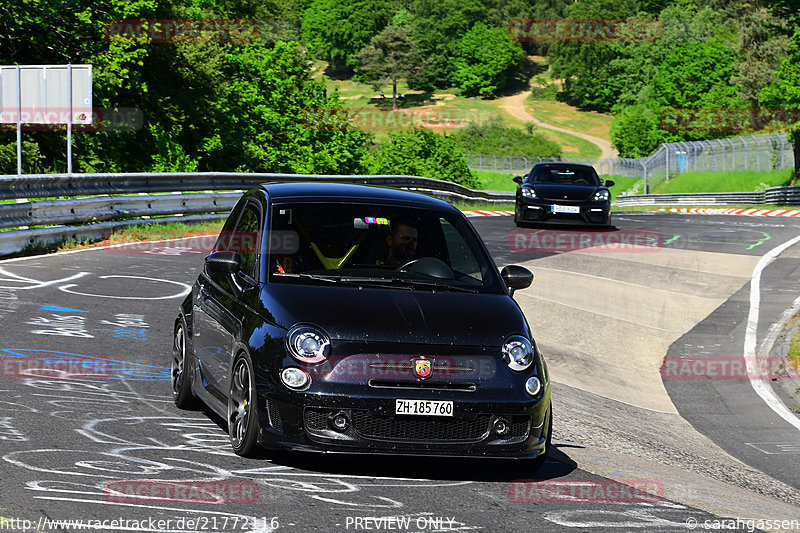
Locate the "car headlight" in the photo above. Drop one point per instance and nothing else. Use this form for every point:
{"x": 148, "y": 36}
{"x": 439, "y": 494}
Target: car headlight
{"x": 601, "y": 196}
{"x": 518, "y": 353}
{"x": 308, "y": 344}
{"x": 529, "y": 193}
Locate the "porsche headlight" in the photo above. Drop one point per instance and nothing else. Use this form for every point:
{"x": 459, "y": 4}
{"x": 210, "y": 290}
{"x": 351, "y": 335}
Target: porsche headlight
{"x": 601, "y": 196}
{"x": 518, "y": 353}
{"x": 308, "y": 344}
{"x": 529, "y": 193}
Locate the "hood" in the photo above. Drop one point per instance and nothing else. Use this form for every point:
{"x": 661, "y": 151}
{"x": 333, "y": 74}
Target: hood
{"x": 558, "y": 191}
{"x": 396, "y": 316}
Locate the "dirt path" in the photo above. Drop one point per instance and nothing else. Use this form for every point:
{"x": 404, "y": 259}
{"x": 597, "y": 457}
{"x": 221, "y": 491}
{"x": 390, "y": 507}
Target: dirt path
{"x": 514, "y": 106}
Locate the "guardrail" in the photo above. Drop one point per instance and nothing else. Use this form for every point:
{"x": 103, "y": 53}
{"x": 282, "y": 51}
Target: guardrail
{"x": 789, "y": 195}
{"x": 723, "y": 198}
{"x": 111, "y": 200}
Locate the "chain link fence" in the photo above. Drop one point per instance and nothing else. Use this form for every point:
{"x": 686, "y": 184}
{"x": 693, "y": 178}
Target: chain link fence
{"x": 749, "y": 152}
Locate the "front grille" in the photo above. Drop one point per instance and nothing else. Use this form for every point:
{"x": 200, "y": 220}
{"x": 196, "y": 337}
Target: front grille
{"x": 413, "y": 429}
{"x": 427, "y": 385}
{"x": 317, "y": 419}
{"x": 395, "y": 428}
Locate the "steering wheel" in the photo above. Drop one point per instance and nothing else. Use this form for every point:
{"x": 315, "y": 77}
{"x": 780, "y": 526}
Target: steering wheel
{"x": 430, "y": 266}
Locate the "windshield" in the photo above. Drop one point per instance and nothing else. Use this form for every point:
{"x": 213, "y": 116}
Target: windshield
{"x": 565, "y": 175}
{"x": 378, "y": 245}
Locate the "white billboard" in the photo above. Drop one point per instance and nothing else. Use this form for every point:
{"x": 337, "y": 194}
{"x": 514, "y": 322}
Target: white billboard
{"x": 43, "y": 94}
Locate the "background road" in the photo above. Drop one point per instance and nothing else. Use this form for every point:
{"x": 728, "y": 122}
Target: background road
{"x": 601, "y": 318}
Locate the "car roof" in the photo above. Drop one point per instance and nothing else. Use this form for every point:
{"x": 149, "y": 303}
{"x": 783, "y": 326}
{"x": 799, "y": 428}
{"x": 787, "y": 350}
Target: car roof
{"x": 563, "y": 164}
{"x": 343, "y": 193}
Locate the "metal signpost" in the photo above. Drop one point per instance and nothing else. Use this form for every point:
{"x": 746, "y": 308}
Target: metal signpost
{"x": 45, "y": 94}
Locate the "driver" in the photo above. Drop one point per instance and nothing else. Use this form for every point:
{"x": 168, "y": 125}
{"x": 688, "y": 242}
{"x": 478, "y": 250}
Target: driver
{"x": 402, "y": 241}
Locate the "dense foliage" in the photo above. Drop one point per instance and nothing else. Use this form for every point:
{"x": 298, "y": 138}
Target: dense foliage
{"x": 254, "y": 105}
{"x": 486, "y": 60}
{"x": 494, "y": 138}
{"x": 421, "y": 152}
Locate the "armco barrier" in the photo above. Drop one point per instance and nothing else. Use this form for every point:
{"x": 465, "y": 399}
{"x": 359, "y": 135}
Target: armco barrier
{"x": 165, "y": 194}
{"x": 783, "y": 196}
{"x": 722, "y": 198}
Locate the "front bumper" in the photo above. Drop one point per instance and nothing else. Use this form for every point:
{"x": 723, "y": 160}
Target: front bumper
{"x": 292, "y": 421}
{"x": 542, "y": 211}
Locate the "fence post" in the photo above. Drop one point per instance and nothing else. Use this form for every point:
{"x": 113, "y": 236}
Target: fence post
{"x": 644, "y": 175}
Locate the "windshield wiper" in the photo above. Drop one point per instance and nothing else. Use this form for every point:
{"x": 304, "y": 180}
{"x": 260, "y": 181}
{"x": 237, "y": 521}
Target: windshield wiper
{"x": 384, "y": 282}
{"x": 352, "y": 280}
{"x": 316, "y": 277}
{"x": 395, "y": 283}
{"x": 436, "y": 285}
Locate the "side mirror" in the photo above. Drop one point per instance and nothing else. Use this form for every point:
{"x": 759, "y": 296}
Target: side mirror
{"x": 224, "y": 262}
{"x": 518, "y": 180}
{"x": 609, "y": 183}
{"x": 516, "y": 277}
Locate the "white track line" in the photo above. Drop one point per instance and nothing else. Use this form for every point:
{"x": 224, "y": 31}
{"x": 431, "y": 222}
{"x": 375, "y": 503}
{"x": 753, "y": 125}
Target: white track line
{"x": 760, "y": 385}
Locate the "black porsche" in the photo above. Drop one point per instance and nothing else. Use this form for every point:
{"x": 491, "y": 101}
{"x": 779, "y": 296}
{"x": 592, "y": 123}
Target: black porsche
{"x": 562, "y": 193}
{"x": 355, "y": 319}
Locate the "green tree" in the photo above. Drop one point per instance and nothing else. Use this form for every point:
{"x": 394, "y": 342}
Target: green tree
{"x": 261, "y": 117}
{"x": 421, "y": 152}
{"x": 438, "y": 27}
{"x": 336, "y": 30}
{"x": 786, "y": 93}
{"x": 486, "y": 60}
{"x": 391, "y": 55}
{"x": 635, "y": 132}
{"x": 697, "y": 75}
{"x": 39, "y": 32}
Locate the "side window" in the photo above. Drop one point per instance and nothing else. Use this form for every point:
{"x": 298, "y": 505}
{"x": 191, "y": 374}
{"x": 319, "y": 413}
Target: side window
{"x": 461, "y": 257}
{"x": 245, "y": 240}
{"x": 223, "y": 240}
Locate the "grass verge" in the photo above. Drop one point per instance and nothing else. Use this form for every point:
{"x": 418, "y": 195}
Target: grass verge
{"x": 728, "y": 181}
{"x": 145, "y": 232}
{"x": 495, "y": 181}
{"x": 568, "y": 117}
{"x": 794, "y": 353}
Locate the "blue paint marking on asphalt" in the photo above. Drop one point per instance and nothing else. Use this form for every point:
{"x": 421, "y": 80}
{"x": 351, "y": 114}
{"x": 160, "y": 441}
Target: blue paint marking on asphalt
{"x": 137, "y": 334}
{"x": 62, "y": 309}
{"x": 50, "y": 364}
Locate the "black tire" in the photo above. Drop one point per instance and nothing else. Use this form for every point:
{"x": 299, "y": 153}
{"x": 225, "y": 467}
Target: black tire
{"x": 537, "y": 463}
{"x": 242, "y": 413}
{"x": 180, "y": 374}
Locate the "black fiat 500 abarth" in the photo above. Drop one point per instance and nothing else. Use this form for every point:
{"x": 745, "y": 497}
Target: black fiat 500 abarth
{"x": 355, "y": 319}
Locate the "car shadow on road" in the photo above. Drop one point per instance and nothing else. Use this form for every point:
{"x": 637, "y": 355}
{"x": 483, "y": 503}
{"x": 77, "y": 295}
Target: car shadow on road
{"x": 558, "y": 465}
